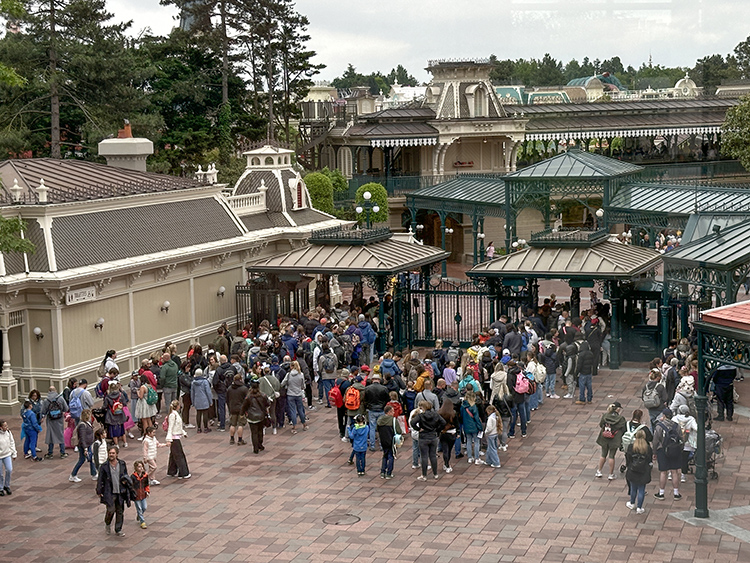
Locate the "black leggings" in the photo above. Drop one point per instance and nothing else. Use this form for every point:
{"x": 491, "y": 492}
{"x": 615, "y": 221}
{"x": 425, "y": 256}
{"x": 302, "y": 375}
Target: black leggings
{"x": 447, "y": 442}
{"x": 202, "y": 414}
{"x": 428, "y": 454}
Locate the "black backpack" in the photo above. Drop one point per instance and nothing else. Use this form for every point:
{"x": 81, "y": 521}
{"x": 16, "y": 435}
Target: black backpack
{"x": 672, "y": 442}
{"x": 329, "y": 362}
{"x": 54, "y": 410}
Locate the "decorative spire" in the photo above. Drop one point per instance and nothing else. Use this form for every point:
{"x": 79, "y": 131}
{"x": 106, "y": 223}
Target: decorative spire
{"x": 15, "y": 191}
{"x": 41, "y": 191}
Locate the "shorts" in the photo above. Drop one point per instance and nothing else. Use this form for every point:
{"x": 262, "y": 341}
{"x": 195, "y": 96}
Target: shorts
{"x": 668, "y": 463}
{"x": 237, "y": 420}
{"x": 609, "y": 451}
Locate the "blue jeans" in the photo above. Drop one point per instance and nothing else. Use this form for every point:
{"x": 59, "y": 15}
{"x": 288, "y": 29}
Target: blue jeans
{"x": 7, "y": 463}
{"x": 533, "y": 399}
{"x": 29, "y": 443}
{"x": 360, "y": 461}
{"x": 82, "y": 459}
{"x": 51, "y": 449}
{"x": 492, "y": 458}
{"x": 387, "y": 465}
{"x": 515, "y": 411}
{"x": 221, "y": 405}
{"x": 415, "y": 451}
{"x": 372, "y": 419}
{"x": 584, "y": 384}
{"x": 296, "y": 407}
{"x": 140, "y": 508}
{"x": 327, "y": 386}
{"x": 549, "y": 383}
{"x": 637, "y": 492}
{"x": 472, "y": 446}
{"x": 526, "y": 408}
{"x": 457, "y": 447}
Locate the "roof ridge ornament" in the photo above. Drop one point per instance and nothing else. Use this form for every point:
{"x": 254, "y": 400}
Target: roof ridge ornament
{"x": 15, "y": 191}
{"x": 42, "y": 191}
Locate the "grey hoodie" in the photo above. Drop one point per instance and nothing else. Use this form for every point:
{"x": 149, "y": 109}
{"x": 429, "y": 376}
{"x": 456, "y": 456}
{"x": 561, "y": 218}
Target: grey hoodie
{"x": 294, "y": 381}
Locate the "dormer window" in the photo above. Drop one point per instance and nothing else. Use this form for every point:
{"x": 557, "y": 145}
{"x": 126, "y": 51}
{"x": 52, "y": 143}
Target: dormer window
{"x": 478, "y": 101}
{"x": 255, "y": 161}
{"x": 269, "y": 161}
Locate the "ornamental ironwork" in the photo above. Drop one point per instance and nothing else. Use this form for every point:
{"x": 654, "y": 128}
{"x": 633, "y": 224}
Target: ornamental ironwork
{"x": 345, "y": 236}
{"x": 718, "y": 350}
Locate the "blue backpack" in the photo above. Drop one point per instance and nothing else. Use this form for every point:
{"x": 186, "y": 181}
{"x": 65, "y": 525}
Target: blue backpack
{"x": 75, "y": 405}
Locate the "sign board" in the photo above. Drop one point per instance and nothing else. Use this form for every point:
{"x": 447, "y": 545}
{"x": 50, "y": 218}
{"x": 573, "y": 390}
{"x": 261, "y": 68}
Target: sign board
{"x": 75, "y": 296}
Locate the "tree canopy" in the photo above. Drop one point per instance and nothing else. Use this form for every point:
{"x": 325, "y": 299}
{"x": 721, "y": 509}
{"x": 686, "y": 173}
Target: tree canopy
{"x": 735, "y": 139}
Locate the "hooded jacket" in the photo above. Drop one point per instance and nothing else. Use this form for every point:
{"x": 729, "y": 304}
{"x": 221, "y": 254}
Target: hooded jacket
{"x": 499, "y": 384}
{"x": 469, "y": 381}
{"x": 200, "y": 393}
{"x": 617, "y": 423}
{"x": 387, "y": 426}
{"x": 428, "y": 424}
{"x": 236, "y": 396}
{"x": 471, "y": 419}
{"x": 358, "y": 435}
{"x": 7, "y": 444}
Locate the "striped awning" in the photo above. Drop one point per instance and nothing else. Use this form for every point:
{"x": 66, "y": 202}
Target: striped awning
{"x": 562, "y": 135}
{"x": 404, "y": 142}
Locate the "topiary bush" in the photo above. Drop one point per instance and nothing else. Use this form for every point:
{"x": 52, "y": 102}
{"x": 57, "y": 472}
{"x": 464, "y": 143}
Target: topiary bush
{"x": 379, "y": 196}
{"x": 321, "y": 191}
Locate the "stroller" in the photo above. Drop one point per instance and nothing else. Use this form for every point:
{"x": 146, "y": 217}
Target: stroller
{"x": 713, "y": 451}
{"x": 99, "y": 415}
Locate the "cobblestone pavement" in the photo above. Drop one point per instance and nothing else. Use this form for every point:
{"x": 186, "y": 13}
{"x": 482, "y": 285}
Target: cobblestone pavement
{"x": 544, "y": 504}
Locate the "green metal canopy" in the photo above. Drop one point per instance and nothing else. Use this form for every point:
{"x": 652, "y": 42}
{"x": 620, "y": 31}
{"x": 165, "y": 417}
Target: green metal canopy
{"x": 700, "y": 225}
{"x": 606, "y": 260}
{"x": 680, "y": 200}
{"x": 464, "y": 194}
{"x": 722, "y": 249}
{"x": 576, "y": 163}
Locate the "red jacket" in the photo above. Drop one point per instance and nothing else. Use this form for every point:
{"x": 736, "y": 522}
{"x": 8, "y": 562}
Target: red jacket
{"x": 140, "y": 484}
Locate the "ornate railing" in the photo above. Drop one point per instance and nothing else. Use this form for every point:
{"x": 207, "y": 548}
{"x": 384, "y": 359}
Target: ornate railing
{"x": 567, "y": 236}
{"x": 340, "y": 235}
{"x": 248, "y": 203}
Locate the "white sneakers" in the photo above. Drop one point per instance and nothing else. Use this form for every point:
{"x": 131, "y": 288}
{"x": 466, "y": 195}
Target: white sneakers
{"x": 448, "y": 469}
{"x": 74, "y": 479}
{"x": 640, "y": 510}
{"x": 555, "y": 396}
{"x": 612, "y": 477}
{"x": 567, "y": 396}
{"x": 471, "y": 460}
{"x": 598, "y": 474}
{"x": 480, "y": 462}
{"x": 496, "y": 466}
{"x": 344, "y": 439}
{"x": 504, "y": 448}
{"x": 274, "y": 430}
{"x": 190, "y": 426}
{"x": 153, "y": 482}
{"x": 630, "y": 505}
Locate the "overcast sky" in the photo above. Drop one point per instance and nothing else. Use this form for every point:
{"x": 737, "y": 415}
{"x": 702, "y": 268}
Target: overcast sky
{"x": 380, "y": 34}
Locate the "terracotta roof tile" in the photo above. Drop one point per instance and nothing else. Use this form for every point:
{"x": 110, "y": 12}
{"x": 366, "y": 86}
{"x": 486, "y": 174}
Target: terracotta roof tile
{"x": 733, "y": 316}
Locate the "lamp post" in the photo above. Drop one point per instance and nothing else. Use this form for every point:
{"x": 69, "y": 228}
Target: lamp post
{"x": 481, "y": 236}
{"x": 599, "y": 214}
{"x": 368, "y": 206}
{"x": 446, "y": 231}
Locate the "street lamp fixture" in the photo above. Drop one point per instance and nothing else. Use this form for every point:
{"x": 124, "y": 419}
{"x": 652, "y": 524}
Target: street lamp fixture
{"x": 368, "y": 206}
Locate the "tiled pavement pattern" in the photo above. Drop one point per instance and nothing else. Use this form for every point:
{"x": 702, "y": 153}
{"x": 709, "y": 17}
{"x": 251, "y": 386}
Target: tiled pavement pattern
{"x": 544, "y": 504}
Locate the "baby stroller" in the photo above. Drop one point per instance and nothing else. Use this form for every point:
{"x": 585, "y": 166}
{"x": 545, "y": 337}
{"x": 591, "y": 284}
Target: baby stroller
{"x": 713, "y": 451}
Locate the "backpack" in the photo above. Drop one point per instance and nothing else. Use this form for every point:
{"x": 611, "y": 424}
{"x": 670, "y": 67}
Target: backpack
{"x": 651, "y": 399}
{"x": 419, "y": 383}
{"x": 532, "y": 386}
{"x": 639, "y": 463}
{"x": 151, "y": 396}
{"x": 98, "y": 390}
{"x": 186, "y": 380}
{"x": 55, "y": 411}
{"x": 335, "y": 397}
{"x": 629, "y": 436}
{"x": 75, "y": 405}
{"x": 329, "y": 363}
{"x": 540, "y": 373}
{"x": 117, "y": 407}
{"x": 672, "y": 443}
{"x": 101, "y": 371}
{"x": 522, "y": 384}
{"x": 352, "y": 399}
{"x": 452, "y": 355}
{"x": 608, "y": 432}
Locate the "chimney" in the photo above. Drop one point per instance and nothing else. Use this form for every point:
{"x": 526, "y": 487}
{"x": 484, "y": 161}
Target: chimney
{"x": 126, "y": 151}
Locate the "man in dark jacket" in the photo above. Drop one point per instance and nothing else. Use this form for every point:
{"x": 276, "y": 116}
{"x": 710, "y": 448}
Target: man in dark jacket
{"x": 518, "y": 407}
{"x": 376, "y": 397}
{"x": 724, "y": 381}
{"x": 112, "y": 488}
{"x": 512, "y": 340}
{"x": 235, "y": 397}
{"x": 585, "y": 368}
{"x": 223, "y": 377}
{"x": 595, "y": 338}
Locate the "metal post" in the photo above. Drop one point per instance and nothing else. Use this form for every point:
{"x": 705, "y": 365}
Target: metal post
{"x": 701, "y": 402}
{"x": 615, "y": 339}
{"x": 684, "y": 310}
{"x": 381, "y": 315}
{"x": 444, "y": 265}
{"x": 664, "y": 311}
{"x": 491, "y": 289}
{"x": 474, "y": 238}
{"x": 427, "y": 303}
{"x": 575, "y": 302}
{"x": 481, "y": 241}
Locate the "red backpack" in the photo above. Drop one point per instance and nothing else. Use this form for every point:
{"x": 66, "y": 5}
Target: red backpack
{"x": 335, "y": 397}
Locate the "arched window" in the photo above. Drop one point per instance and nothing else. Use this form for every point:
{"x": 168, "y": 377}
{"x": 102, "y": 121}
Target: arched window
{"x": 286, "y": 160}
{"x": 269, "y": 161}
{"x": 480, "y": 103}
{"x": 255, "y": 161}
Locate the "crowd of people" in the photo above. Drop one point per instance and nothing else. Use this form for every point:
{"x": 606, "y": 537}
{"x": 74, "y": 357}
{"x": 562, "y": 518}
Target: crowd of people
{"x": 460, "y": 403}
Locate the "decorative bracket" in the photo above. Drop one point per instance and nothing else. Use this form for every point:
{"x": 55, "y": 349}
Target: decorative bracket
{"x": 55, "y": 296}
{"x": 218, "y": 261}
{"x": 163, "y": 272}
{"x": 134, "y": 277}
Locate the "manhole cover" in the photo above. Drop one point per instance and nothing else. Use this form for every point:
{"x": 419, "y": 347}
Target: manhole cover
{"x": 341, "y": 519}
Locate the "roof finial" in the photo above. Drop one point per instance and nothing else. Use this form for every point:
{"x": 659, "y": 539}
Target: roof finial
{"x": 15, "y": 191}
{"x": 42, "y": 191}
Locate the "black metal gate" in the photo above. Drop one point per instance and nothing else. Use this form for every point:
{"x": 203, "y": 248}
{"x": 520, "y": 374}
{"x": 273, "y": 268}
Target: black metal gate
{"x": 450, "y": 310}
{"x": 270, "y": 298}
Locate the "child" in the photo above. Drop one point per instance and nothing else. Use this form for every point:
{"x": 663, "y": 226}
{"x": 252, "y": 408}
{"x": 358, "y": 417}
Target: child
{"x": 70, "y": 427}
{"x": 388, "y": 427}
{"x": 491, "y": 430}
{"x": 449, "y": 373}
{"x": 396, "y": 404}
{"x": 358, "y": 435}
{"x": 99, "y": 448}
{"x": 150, "y": 443}
{"x": 142, "y": 490}
{"x": 31, "y": 428}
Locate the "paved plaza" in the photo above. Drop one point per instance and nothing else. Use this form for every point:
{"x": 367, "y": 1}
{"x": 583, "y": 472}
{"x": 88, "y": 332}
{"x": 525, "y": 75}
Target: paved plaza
{"x": 300, "y": 501}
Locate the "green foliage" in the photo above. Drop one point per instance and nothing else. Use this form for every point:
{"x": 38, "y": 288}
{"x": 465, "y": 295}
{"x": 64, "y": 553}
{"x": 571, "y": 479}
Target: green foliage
{"x": 379, "y": 196}
{"x": 376, "y": 81}
{"x": 735, "y": 138}
{"x": 340, "y": 184}
{"x": 710, "y": 71}
{"x": 321, "y": 191}
{"x": 10, "y": 236}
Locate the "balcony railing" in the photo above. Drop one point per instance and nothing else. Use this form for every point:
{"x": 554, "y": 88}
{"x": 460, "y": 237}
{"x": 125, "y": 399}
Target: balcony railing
{"x": 248, "y": 203}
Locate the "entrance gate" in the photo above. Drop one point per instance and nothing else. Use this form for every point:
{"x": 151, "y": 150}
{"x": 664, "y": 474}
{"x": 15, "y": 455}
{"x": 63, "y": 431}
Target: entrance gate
{"x": 450, "y": 310}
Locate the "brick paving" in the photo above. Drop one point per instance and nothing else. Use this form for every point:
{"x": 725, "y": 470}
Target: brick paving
{"x": 544, "y": 504}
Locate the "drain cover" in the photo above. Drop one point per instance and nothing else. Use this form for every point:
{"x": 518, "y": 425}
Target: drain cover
{"x": 341, "y": 519}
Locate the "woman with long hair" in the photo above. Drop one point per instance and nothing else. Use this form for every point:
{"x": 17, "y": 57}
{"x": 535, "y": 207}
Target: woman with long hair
{"x": 638, "y": 455}
{"x": 144, "y": 412}
{"x": 255, "y": 409}
{"x": 472, "y": 426}
{"x": 448, "y": 434}
{"x": 611, "y": 428}
{"x": 178, "y": 466}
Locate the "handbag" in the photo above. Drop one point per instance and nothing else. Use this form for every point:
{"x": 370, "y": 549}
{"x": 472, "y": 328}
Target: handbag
{"x": 267, "y": 422}
{"x": 398, "y": 439}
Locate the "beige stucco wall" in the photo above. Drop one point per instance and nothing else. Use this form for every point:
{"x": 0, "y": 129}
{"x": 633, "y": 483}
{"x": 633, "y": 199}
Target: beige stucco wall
{"x": 81, "y": 341}
{"x": 40, "y": 350}
{"x": 209, "y": 306}
{"x": 150, "y": 322}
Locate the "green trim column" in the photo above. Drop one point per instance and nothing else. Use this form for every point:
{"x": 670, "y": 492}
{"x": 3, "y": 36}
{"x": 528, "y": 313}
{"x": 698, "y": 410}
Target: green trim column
{"x": 427, "y": 302}
{"x": 615, "y": 332}
{"x": 664, "y": 316}
{"x": 381, "y": 315}
{"x": 684, "y": 314}
{"x": 491, "y": 289}
{"x": 474, "y": 231}
{"x": 701, "y": 403}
